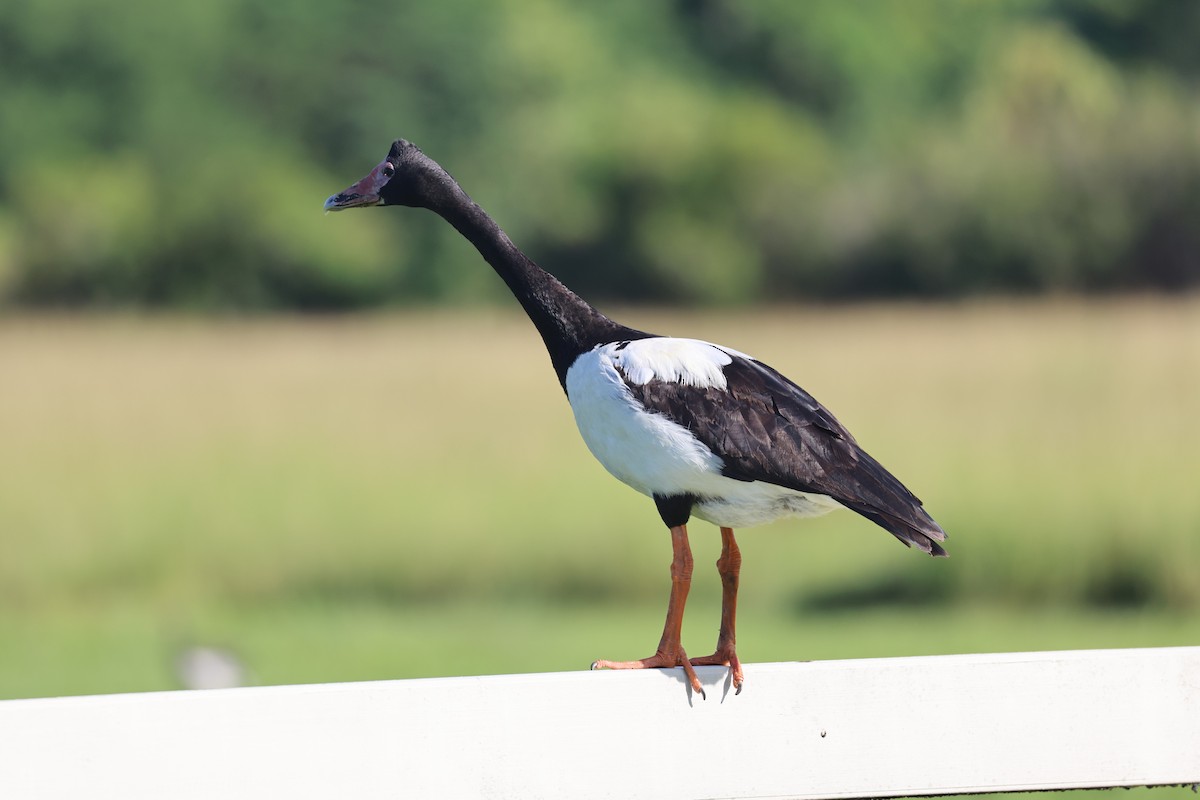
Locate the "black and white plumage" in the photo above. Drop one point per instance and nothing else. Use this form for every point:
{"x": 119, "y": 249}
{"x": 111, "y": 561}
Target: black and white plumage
{"x": 684, "y": 418}
{"x": 705, "y": 430}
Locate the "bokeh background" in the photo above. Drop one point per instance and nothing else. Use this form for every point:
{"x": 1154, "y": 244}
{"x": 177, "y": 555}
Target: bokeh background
{"x": 696, "y": 151}
{"x": 332, "y": 447}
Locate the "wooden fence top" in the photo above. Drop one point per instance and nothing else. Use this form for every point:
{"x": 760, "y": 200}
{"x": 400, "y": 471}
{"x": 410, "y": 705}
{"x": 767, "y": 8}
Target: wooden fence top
{"x": 884, "y": 727}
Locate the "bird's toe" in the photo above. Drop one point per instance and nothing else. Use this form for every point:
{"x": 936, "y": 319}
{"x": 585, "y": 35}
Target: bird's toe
{"x": 725, "y": 657}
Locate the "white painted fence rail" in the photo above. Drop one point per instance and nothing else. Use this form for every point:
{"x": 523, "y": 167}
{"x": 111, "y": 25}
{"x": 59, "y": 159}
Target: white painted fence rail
{"x": 835, "y": 729}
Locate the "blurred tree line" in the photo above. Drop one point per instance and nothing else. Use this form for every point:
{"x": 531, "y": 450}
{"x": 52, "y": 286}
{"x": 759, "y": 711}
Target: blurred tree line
{"x": 176, "y": 154}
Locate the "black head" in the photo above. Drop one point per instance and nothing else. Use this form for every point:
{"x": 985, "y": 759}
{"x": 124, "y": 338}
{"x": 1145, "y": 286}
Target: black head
{"x": 407, "y": 177}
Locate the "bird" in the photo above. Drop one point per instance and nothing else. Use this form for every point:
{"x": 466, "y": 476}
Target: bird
{"x": 704, "y": 430}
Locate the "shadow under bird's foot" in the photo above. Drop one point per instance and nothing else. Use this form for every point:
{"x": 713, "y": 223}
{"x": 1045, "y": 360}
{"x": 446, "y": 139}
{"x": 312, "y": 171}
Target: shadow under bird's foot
{"x": 659, "y": 660}
{"x": 724, "y": 657}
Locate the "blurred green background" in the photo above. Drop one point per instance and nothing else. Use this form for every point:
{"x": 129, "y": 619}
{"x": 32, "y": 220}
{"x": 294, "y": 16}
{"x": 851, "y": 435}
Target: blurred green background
{"x": 707, "y": 151}
{"x": 968, "y": 228}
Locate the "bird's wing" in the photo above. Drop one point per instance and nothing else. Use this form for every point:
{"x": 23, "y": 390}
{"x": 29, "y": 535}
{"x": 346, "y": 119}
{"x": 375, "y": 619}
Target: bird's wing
{"x": 766, "y": 428}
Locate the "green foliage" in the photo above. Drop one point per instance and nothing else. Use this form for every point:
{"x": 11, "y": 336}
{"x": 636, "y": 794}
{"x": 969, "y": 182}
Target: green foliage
{"x": 707, "y": 150}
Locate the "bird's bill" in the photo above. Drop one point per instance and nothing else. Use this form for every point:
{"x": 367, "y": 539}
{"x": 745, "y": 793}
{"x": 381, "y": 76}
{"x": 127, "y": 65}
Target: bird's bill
{"x": 364, "y": 193}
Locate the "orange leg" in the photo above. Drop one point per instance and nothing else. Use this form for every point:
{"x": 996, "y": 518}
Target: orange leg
{"x": 670, "y": 649}
{"x": 729, "y": 565}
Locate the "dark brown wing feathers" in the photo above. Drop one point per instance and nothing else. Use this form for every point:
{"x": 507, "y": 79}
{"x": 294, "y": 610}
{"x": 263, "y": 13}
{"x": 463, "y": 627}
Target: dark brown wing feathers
{"x": 766, "y": 428}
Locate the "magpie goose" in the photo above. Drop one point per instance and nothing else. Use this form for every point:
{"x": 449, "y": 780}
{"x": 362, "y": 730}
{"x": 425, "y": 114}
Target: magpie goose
{"x": 704, "y": 430}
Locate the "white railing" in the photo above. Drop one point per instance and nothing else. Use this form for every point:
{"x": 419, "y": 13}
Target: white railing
{"x": 835, "y": 729}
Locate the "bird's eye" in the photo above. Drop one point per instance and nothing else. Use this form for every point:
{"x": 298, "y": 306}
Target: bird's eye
{"x": 388, "y": 170}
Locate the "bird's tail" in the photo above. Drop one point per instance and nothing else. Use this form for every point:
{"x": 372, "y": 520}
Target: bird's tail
{"x": 917, "y": 530}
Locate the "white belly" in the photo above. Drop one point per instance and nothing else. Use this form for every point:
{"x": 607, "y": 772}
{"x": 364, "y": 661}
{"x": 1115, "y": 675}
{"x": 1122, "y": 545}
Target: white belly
{"x": 659, "y": 457}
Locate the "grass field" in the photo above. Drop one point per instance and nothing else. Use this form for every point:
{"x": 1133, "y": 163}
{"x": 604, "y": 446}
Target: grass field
{"x": 403, "y": 495}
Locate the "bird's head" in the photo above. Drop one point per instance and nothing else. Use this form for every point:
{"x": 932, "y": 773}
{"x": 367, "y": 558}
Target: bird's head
{"x": 407, "y": 177}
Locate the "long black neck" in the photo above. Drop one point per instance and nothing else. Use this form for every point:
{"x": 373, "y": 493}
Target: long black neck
{"x": 568, "y": 324}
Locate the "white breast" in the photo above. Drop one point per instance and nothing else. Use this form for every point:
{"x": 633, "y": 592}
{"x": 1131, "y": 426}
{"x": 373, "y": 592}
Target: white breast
{"x": 655, "y": 455}
{"x": 647, "y": 451}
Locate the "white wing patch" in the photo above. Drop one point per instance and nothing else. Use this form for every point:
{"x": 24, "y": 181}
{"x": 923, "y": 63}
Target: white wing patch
{"x": 690, "y": 362}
